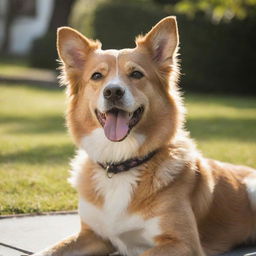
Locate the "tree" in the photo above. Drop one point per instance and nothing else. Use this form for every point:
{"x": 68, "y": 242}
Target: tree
{"x": 217, "y": 9}
{"x": 43, "y": 53}
{"x": 14, "y": 8}
{"x": 60, "y": 14}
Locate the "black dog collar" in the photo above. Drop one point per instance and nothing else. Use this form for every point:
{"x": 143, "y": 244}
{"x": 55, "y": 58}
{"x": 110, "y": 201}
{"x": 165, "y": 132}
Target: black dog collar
{"x": 114, "y": 168}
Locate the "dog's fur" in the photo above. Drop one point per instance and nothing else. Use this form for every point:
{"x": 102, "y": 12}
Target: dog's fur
{"x": 177, "y": 203}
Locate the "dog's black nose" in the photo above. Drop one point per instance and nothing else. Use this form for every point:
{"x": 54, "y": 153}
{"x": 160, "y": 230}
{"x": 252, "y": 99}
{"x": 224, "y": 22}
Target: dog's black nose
{"x": 113, "y": 93}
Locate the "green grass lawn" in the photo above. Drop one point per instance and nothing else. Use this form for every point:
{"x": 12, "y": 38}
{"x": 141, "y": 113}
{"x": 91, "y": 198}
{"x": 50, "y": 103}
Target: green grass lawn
{"x": 9, "y": 66}
{"x": 20, "y": 68}
{"x": 35, "y": 151}
{"x": 35, "y": 148}
{"x": 224, "y": 127}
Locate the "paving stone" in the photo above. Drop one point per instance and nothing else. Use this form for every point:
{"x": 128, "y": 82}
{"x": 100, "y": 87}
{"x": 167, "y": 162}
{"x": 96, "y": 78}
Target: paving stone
{"x": 8, "y": 252}
{"x": 35, "y": 233}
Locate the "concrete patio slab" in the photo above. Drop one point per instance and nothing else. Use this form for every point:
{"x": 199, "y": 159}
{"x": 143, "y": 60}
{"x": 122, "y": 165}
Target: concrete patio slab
{"x": 34, "y": 233}
{"x": 37, "y": 232}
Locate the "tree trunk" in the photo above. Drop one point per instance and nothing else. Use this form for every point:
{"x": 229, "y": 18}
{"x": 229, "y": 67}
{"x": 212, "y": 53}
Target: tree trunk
{"x": 60, "y": 15}
{"x": 9, "y": 18}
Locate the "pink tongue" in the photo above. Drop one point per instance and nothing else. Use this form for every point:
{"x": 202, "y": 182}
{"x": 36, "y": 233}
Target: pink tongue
{"x": 116, "y": 125}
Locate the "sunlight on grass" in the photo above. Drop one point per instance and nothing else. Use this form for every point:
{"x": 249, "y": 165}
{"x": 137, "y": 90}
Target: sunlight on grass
{"x": 10, "y": 66}
{"x": 20, "y": 67}
{"x": 224, "y": 127}
{"x": 36, "y": 149}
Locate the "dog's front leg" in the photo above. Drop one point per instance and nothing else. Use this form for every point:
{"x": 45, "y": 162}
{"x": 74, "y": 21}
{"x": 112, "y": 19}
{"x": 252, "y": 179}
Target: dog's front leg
{"x": 173, "y": 249}
{"x": 86, "y": 243}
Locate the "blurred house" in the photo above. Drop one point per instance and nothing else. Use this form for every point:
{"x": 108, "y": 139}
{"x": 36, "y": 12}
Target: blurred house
{"x": 22, "y": 21}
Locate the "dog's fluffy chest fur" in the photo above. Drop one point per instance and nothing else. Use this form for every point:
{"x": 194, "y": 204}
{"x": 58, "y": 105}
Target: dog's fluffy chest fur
{"x": 129, "y": 233}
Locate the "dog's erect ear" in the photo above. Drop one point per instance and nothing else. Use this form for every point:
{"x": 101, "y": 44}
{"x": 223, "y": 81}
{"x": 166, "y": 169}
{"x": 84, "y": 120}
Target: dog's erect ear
{"x": 161, "y": 41}
{"x": 73, "y": 47}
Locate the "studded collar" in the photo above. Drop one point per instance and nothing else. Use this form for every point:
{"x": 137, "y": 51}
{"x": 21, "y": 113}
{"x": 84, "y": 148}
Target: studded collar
{"x": 114, "y": 168}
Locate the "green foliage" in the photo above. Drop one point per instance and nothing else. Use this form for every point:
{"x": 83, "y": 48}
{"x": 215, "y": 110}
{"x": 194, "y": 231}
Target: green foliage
{"x": 218, "y": 58}
{"x": 216, "y": 9}
{"x": 215, "y": 58}
{"x": 117, "y": 23}
{"x": 43, "y": 53}
{"x": 82, "y": 16}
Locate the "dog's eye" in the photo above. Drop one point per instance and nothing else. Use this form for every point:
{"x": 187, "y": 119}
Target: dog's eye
{"x": 96, "y": 76}
{"x": 136, "y": 74}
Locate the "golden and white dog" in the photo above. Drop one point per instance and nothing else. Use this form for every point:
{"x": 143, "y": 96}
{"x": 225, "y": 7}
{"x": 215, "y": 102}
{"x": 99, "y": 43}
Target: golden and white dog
{"x": 143, "y": 187}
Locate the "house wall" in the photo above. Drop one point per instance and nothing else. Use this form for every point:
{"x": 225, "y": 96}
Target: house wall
{"x": 26, "y": 29}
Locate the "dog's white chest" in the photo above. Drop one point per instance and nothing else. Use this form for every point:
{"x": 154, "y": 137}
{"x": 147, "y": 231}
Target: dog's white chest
{"x": 130, "y": 234}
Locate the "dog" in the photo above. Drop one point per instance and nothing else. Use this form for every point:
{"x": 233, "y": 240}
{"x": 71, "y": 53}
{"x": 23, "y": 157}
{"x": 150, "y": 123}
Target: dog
{"x": 144, "y": 188}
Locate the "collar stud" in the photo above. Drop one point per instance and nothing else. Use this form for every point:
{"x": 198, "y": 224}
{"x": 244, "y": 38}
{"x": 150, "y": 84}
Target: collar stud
{"x": 109, "y": 174}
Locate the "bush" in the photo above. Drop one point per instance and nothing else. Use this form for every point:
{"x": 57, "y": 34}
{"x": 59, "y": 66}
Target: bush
{"x": 82, "y": 16}
{"x": 117, "y": 23}
{"x": 218, "y": 58}
{"x": 214, "y": 57}
{"x": 43, "y": 53}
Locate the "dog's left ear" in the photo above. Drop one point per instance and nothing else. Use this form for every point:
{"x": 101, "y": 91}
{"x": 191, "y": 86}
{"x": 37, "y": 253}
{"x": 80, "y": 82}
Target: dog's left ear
{"x": 161, "y": 41}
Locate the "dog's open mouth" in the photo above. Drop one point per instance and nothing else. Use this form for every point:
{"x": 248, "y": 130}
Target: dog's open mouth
{"x": 118, "y": 123}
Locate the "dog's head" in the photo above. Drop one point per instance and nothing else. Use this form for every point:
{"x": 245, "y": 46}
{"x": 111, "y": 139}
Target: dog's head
{"x": 124, "y": 100}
